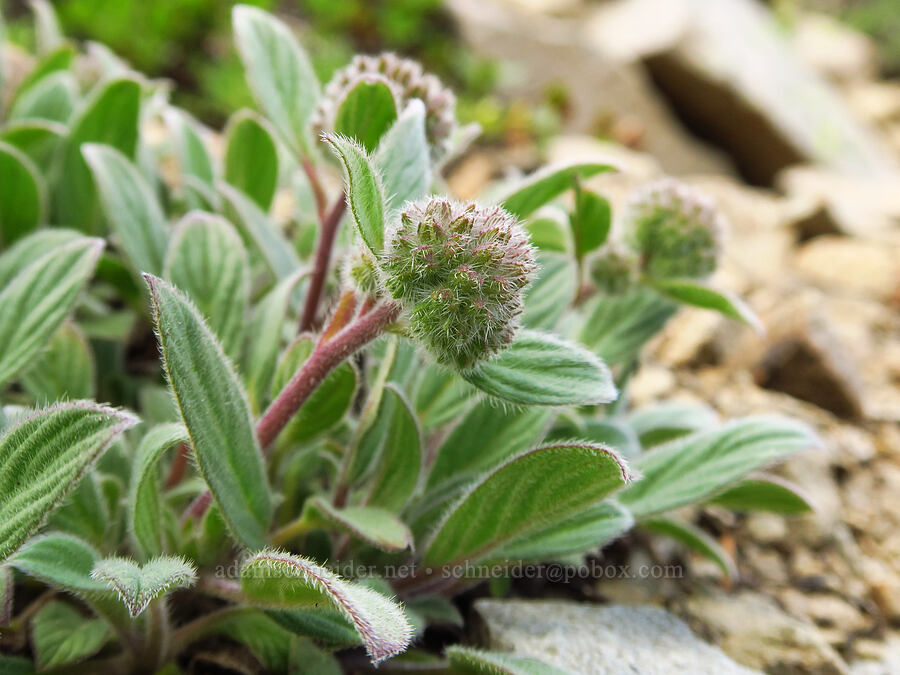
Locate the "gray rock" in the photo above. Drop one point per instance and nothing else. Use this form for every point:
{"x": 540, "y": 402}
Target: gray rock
{"x": 601, "y": 639}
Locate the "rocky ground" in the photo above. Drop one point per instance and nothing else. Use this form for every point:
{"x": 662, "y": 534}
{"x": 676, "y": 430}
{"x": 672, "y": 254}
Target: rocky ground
{"x": 799, "y": 142}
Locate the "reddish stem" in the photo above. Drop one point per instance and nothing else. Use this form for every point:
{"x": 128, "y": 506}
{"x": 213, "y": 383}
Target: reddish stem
{"x": 179, "y": 466}
{"x": 343, "y": 314}
{"x": 197, "y": 508}
{"x": 316, "y": 185}
{"x": 329, "y": 228}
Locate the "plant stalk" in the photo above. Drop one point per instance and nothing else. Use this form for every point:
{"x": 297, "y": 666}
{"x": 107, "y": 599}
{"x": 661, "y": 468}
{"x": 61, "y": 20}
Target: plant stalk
{"x": 329, "y": 227}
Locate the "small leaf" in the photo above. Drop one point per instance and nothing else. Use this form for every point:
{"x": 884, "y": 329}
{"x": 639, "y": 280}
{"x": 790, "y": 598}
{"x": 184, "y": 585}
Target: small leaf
{"x": 60, "y": 635}
{"x": 137, "y": 586}
{"x": 52, "y": 99}
{"x": 698, "y": 294}
{"x": 695, "y": 539}
{"x": 207, "y": 260}
{"x": 551, "y": 294}
{"x": 36, "y": 138}
{"x": 548, "y": 233}
{"x": 25, "y": 251}
{"x": 145, "y": 512}
{"x": 130, "y": 206}
{"x": 696, "y": 467}
{"x": 194, "y": 158}
{"x": 366, "y": 113}
{"x": 59, "y": 59}
{"x": 403, "y": 158}
{"x": 61, "y": 561}
{"x": 251, "y": 158}
{"x": 42, "y": 458}
{"x": 539, "y": 369}
{"x": 375, "y": 526}
{"x": 526, "y": 495}
{"x": 765, "y": 493}
{"x": 590, "y": 221}
{"x": 665, "y": 422}
{"x": 64, "y": 370}
{"x": 278, "y": 73}
{"x": 306, "y": 656}
{"x": 269, "y": 642}
{"x": 22, "y": 200}
{"x": 286, "y": 581}
{"x": 544, "y": 185}
{"x": 363, "y": 188}
{"x": 35, "y": 303}
{"x": 214, "y": 408}
{"x": 47, "y": 33}
{"x": 481, "y": 662}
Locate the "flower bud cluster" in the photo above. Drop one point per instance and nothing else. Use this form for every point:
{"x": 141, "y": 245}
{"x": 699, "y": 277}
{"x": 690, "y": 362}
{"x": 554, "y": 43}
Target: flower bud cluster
{"x": 613, "y": 270}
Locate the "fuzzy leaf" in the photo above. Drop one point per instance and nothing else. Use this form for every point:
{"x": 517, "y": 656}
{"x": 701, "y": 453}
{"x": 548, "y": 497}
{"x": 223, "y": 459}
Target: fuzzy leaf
{"x": 590, "y": 221}
{"x": 696, "y": 467}
{"x": 269, "y": 642}
{"x": 403, "y": 158}
{"x": 364, "y": 192}
{"x": 366, "y": 113}
{"x": 282, "y": 580}
{"x": 539, "y": 369}
{"x": 137, "y": 586}
{"x": 548, "y": 183}
{"x": 215, "y": 411}
{"x": 47, "y": 33}
{"x": 52, "y": 99}
{"x": 526, "y": 495}
{"x": 695, "y": 539}
{"x": 765, "y": 493}
{"x": 551, "y": 294}
{"x": 62, "y": 561}
{"x": 130, "y": 206}
{"x": 698, "y": 294}
{"x": 251, "y": 158}
{"x": 481, "y": 662}
{"x": 25, "y": 251}
{"x": 60, "y": 635}
{"x": 43, "y": 456}
{"x": 22, "y": 200}
{"x": 193, "y": 155}
{"x": 661, "y": 423}
{"x": 64, "y": 370}
{"x": 442, "y": 396}
{"x": 145, "y": 512}
{"x": 278, "y": 73}
{"x": 57, "y": 60}
{"x": 207, "y": 260}
{"x": 36, "y": 138}
{"x": 110, "y": 117}
{"x": 375, "y": 526}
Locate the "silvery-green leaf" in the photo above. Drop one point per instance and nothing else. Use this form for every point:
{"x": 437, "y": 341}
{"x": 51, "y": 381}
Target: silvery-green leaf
{"x": 130, "y": 207}
{"x": 524, "y": 496}
{"x": 364, "y": 192}
{"x": 375, "y": 526}
{"x": 62, "y": 371}
{"x": 765, "y": 493}
{"x": 547, "y": 230}
{"x": 56, "y": 60}
{"x": 47, "y": 33}
{"x": 403, "y": 158}
{"x": 144, "y": 509}
{"x": 542, "y": 186}
{"x": 442, "y": 396}
{"x": 214, "y": 409}
{"x": 695, "y": 539}
{"x": 551, "y": 294}
{"x": 193, "y": 156}
{"x": 366, "y": 112}
{"x": 251, "y": 158}
{"x": 206, "y": 259}
{"x": 85, "y": 512}
{"x": 480, "y": 662}
{"x": 269, "y": 642}
{"x": 281, "y": 580}
{"x": 696, "y": 467}
{"x": 540, "y": 369}
{"x": 52, "y": 99}
{"x": 138, "y": 585}
{"x": 699, "y": 294}
{"x": 667, "y": 421}
{"x": 37, "y": 300}
{"x": 278, "y": 73}
{"x": 42, "y": 458}
{"x": 36, "y": 138}
{"x": 23, "y": 197}
{"x": 61, "y": 561}
{"x": 60, "y": 634}
{"x": 590, "y": 221}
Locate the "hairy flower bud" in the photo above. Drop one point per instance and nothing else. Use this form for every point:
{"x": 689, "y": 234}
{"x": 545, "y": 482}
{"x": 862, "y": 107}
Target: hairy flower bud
{"x": 460, "y": 270}
{"x": 613, "y": 269}
{"x": 361, "y": 273}
{"x": 676, "y": 230}
{"x": 407, "y": 81}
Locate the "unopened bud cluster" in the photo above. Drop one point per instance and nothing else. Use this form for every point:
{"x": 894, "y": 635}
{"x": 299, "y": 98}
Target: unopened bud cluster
{"x": 407, "y": 81}
{"x": 613, "y": 269}
{"x": 460, "y": 270}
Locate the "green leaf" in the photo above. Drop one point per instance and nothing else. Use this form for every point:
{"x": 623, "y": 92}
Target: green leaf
{"x": 278, "y": 73}
{"x": 327, "y": 625}
{"x": 259, "y": 232}
{"x": 110, "y": 117}
{"x": 698, "y": 294}
{"x": 85, "y": 513}
{"x": 544, "y": 185}
{"x": 43, "y": 456}
{"x": 330, "y": 401}
{"x": 552, "y": 293}
{"x": 305, "y": 656}
{"x": 47, "y": 33}
{"x": 251, "y": 158}
{"x": 22, "y": 200}
{"x": 364, "y": 192}
{"x": 193, "y": 156}
{"x": 137, "y": 586}
{"x": 481, "y": 662}
{"x": 269, "y": 642}
{"x": 57, "y": 60}
{"x": 375, "y": 526}
{"x": 539, "y": 369}
{"x": 367, "y": 111}
{"x": 61, "y": 561}
{"x": 130, "y": 207}
{"x": 765, "y": 493}
{"x": 696, "y": 467}
{"x": 528, "y": 494}
{"x": 400, "y": 460}
{"x": 214, "y": 408}
{"x": 64, "y": 370}
{"x": 51, "y": 99}
{"x": 590, "y": 221}
{"x": 7, "y": 591}
{"x": 548, "y": 233}
{"x": 281, "y": 580}
{"x": 144, "y": 509}
{"x": 403, "y": 158}
{"x": 61, "y": 635}
{"x": 695, "y": 539}
{"x": 36, "y": 138}
{"x": 661, "y": 423}
{"x": 442, "y": 396}
{"x": 207, "y": 260}
{"x": 16, "y": 665}
{"x": 35, "y": 303}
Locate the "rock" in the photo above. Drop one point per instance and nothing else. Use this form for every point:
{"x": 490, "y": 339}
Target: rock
{"x": 833, "y": 50}
{"x": 842, "y": 264}
{"x": 766, "y": 528}
{"x": 888, "y": 664}
{"x": 611, "y": 639}
{"x": 825, "y": 609}
{"x": 755, "y": 631}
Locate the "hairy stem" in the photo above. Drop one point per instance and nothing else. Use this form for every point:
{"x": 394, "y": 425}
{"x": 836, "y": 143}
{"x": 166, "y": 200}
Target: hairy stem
{"x": 318, "y": 191}
{"x": 329, "y": 228}
{"x": 203, "y": 625}
{"x": 156, "y": 646}
{"x": 291, "y": 531}
{"x": 343, "y": 314}
{"x": 179, "y": 466}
